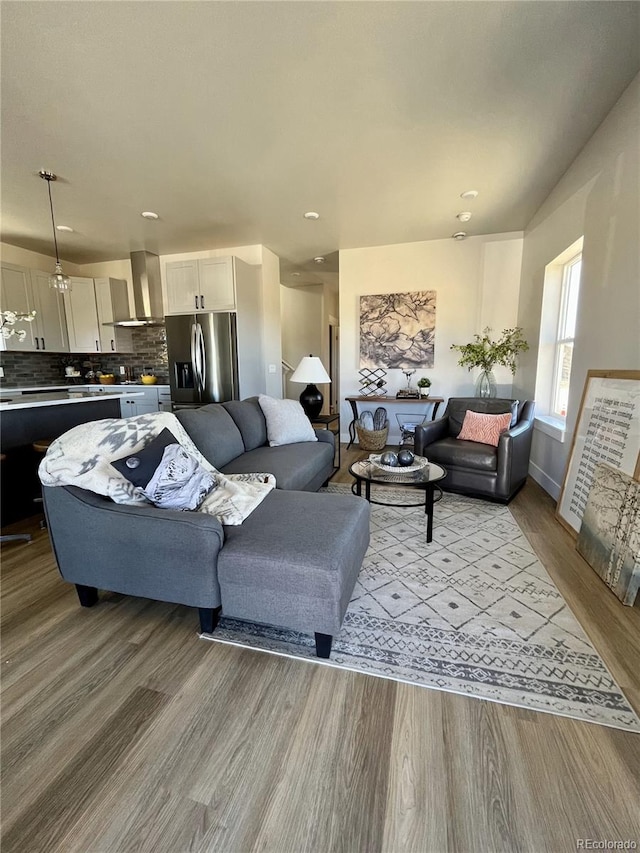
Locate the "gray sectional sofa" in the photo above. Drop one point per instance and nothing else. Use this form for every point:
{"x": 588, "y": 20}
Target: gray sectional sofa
{"x": 292, "y": 563}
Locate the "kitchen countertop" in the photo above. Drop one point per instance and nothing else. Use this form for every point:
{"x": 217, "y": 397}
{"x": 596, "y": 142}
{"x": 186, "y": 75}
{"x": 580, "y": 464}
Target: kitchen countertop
{"x": 28, "y": 389}
{"x": 61, "y": 398}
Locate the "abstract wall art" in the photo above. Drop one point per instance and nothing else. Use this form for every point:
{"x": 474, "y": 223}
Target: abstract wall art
{"x": 609, "y": 537}
{"x": 398, "y": 329}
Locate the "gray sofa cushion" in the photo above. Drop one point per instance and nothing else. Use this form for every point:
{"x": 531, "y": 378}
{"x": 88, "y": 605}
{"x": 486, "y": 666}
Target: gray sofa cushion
{"x": 294, "y": 560}
{"x": 214, "y": 432}
{"x": 463, "y": 454}
{"x": 458, "y": 406}
{"x": 293, "y": 465}
{"x": 248, "y": 417}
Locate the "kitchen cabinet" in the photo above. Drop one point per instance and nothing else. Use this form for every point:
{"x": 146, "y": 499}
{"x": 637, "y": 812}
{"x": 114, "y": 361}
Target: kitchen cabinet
{"x": 112, "y": 304}
{"x": 141, "y": 405}
{"x": 207, "y": 284}
{"x": 26, "y": 290}
{"x": 88, "y": 305}
{"x": 82, "y": 316}
{"x": 15, "y": 295}
{"x": 50, "y": 325}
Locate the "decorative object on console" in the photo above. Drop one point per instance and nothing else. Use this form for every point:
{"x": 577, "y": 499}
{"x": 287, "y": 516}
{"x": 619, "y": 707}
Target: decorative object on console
{"x": 609, "y": 537}
{"x": 424, "y": 383}
{"x": 485, "y": 353}
{"x": 398, "y": 329}
{"x": 57, "y": 280}
{"x": 372, "y": 429}
{"x": 286, "y": 421}
{"x": 373, "y": 382}
{"x": 408, "y": 392}
{"x": 311, "y": 371}
{"x": 10, "y": 318}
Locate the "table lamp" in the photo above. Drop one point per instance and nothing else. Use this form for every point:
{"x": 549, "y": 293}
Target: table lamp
{"x": 310, "y": 370}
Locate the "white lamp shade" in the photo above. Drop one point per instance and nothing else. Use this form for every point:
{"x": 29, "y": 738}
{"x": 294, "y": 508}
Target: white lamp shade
{"x": 310, "y": 371}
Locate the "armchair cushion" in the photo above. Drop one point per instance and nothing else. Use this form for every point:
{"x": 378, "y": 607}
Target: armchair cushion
{"x": 483, "y": 428}
{"x": 458, "y": 407}
{"x": 452, "y": 452}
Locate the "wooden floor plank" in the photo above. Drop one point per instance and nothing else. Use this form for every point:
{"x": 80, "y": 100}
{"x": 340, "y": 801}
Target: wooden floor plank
{"x": 123, "y": 731}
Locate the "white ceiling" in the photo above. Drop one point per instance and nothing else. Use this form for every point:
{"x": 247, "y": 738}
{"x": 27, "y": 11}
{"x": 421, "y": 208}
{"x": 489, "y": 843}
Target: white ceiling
{"x": 231, "y": 119}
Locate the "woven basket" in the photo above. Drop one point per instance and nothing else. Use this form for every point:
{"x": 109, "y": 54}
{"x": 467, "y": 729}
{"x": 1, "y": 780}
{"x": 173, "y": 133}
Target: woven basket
{"x": 372, "y": 439}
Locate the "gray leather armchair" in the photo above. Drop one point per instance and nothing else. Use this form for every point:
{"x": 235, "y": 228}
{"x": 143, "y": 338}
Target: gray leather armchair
{"x": 480, "y": 469}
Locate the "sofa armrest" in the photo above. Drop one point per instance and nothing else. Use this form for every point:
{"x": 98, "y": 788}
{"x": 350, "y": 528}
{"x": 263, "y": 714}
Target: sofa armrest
{"x": 429, "y": 432}
{"x": 514, "y": 448}
{"x": 137, "y": 550}
{"x": 326, "y": 435}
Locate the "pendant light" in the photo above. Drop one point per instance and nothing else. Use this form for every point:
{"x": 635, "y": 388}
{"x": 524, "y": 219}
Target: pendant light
{"x": 57, "y": 280}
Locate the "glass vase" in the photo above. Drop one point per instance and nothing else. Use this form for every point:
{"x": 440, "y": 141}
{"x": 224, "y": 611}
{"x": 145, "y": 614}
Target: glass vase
{"x": 486, "y": 384}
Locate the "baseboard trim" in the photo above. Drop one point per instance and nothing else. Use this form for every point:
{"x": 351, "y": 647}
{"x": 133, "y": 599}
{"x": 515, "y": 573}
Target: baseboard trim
{"x": 543, "y": 479}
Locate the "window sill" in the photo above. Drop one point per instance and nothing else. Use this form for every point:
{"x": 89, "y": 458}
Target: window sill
{"x": 553, "y": 427}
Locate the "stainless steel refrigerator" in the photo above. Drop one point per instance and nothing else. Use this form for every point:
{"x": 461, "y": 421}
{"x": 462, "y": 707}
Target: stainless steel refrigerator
{"x": 203, "y": 358}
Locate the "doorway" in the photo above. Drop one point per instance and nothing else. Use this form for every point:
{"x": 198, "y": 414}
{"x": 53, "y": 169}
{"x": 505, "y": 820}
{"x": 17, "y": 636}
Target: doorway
{"x": 334, "y": 366}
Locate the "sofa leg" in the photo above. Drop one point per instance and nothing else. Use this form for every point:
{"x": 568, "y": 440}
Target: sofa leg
{"x": 323, "y": 645}
{"x": 88, "y": 595}
{"x": 209, "y": 618}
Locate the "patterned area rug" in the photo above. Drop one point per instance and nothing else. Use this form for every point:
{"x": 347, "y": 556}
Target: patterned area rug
{"x": 474, "y": 612}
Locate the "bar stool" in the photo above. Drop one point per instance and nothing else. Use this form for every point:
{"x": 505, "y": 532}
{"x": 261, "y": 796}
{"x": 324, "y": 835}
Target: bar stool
{"x": 13, "y": 537}
{"x": 41, "y": 445}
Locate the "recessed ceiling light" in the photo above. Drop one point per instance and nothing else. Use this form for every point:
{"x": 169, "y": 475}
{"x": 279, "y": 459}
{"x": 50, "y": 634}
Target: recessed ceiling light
{"x": 311, "y": 214}
{"x": 459, "y": 235}
{"x": 149, "y": 214}
{"x": 63, "y": 228}
{"x": 469, "y": 194}
{"x": 319, "y": 260}
{"x": 465, "y": 216}
{"x": 295, "y": 273}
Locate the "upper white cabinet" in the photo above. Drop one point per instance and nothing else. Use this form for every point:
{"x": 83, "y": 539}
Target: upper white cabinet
{"x": 15, "y": 295}
{"x": 112, "y": 303}
{"x": 26, "y": 290}
{"x": 51, "y": 322}
{"x": 89, "y": 305}
{"x": 207, "y": 284}
{"x": 82, "y": 316}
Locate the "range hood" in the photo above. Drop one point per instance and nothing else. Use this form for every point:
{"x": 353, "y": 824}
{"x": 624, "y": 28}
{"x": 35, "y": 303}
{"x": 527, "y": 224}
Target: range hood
{"x": 147, "y": 291}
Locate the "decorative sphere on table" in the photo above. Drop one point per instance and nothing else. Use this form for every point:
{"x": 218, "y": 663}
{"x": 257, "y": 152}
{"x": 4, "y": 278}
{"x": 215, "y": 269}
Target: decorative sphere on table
{"x": 389, "y": 458}
{"x": 405, "y": 457}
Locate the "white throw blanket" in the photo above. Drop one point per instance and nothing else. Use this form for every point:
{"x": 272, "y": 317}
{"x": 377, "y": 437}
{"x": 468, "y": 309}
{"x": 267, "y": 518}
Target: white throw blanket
{"x": 82, "y": 456}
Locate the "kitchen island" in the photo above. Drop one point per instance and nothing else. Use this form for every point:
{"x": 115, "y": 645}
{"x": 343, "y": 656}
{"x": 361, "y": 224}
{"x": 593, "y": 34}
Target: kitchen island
{"x": 28, "y": 415}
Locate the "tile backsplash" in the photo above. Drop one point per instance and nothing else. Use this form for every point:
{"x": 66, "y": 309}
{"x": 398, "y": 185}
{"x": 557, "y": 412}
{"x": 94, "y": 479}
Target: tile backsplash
{"x": 43, "y": 368}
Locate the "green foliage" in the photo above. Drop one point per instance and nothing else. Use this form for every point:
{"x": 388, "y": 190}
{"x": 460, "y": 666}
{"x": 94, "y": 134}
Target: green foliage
{"x": 423, "y": 382}
{"x": 486, "y": 353}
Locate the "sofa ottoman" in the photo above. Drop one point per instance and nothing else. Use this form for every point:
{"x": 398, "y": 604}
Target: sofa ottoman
{"x": 294, "y": 562}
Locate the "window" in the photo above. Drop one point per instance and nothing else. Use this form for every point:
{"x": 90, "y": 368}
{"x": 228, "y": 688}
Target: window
{"x": 557, "y": 333}
{"x": 565, "y": 336}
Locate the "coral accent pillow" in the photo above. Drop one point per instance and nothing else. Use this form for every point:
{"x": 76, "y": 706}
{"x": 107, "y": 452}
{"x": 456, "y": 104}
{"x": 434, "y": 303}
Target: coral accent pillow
{"x": 485, "y": 429}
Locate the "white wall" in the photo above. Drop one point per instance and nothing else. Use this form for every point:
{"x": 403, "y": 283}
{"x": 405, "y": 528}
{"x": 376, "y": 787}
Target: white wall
{"x": 477, "y": 285}
{"x": 301, "y": 310}
{"x": 271, "y": 328}
{"x": 34, "y": 260}
{"x": 598, "y": 197}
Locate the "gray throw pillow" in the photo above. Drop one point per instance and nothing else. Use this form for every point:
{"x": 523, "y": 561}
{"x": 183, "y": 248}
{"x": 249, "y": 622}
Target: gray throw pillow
{"x": 286, "y": 421}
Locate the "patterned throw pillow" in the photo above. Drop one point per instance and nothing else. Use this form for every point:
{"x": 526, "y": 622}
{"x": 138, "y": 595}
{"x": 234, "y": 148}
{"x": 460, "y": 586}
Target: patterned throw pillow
{"x": 485, "y": 429}
{"x": 286, "y": 421}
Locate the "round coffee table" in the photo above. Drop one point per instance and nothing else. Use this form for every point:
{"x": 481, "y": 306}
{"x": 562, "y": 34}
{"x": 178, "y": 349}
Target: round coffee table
{"x": 426, "y": 478}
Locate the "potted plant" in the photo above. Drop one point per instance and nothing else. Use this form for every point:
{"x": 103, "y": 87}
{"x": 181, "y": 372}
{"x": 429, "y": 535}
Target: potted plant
{"x": 423, "y": 386}
{"x": 485, "y": 353}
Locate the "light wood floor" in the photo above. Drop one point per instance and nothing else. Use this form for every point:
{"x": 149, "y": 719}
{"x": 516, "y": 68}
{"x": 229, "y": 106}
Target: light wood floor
{"x": 122, "y": 731}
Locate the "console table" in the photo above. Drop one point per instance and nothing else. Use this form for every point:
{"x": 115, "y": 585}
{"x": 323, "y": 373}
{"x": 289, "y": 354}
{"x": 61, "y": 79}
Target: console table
{"x": 403, "y": 401}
